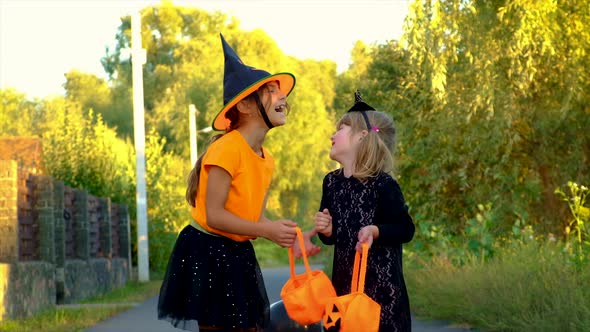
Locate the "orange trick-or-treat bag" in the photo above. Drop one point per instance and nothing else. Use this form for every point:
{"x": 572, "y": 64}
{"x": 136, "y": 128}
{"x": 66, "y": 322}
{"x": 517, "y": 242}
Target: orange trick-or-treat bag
{"x": 356, "y": 311}
{"x": 305, "y": 295}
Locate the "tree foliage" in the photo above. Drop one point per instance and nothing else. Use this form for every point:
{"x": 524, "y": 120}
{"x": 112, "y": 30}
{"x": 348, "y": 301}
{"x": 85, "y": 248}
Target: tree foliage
{"x": 498, "y": 96}
{"x": 185, "y": 66}
{"x": 490, "y": 99}
{"x": 92, "y": 92}
{"x": 79, "y": 149}
{"x": 86, "y": 134}
{"x": 167, "y": 211}
{"x": 18, "y": 116}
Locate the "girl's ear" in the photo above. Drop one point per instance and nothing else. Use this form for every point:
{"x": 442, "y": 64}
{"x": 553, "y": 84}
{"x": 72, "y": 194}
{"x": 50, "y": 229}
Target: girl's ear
{"x": 244, "y": 106}
{"x": 361, "y": 135}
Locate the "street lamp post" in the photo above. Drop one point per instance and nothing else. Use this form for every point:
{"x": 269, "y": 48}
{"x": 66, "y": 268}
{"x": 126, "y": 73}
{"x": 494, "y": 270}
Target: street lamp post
{"x": 138, "y": 56}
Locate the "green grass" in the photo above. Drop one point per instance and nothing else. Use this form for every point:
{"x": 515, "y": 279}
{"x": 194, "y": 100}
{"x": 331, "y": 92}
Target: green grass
{"x": 80, "y": 318}
{"x": 61, "y": 320}
{"x": 134, "y": 291}
{"x": 526, "y": 287}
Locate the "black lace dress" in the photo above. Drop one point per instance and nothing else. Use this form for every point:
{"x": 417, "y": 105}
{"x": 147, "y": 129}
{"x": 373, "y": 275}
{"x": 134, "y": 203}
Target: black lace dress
{"x": 379, "y": 201}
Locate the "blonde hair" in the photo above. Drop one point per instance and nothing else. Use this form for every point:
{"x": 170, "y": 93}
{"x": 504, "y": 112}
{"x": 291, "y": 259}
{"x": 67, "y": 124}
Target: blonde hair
{"x": 375, "y": 153}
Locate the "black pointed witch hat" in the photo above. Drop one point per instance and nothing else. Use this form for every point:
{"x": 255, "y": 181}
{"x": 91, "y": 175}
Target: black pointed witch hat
{"x": 240, "y": 80}
{"x": 361, "y": 106}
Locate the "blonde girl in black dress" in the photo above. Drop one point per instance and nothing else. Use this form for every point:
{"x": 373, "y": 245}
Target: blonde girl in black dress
{"x": 362, "y": 202}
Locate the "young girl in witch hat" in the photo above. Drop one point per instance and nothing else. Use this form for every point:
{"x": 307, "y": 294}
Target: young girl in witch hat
{"x": 213, "y": 281}
{"x": 362, "y": 203}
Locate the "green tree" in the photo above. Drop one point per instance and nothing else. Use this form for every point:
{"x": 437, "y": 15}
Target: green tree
{"x": 18, "y": 115}
{"x": 184, "y": 66}
{"x": 168, "y": 212}
{"x": 353, "y": 78}
{"x": 92, "y": 92}
{"x": 498, "y": 94}
{"x": 79, "y": 149}
{"x": 182, "y": 62}
{"x": 302, "y": 147}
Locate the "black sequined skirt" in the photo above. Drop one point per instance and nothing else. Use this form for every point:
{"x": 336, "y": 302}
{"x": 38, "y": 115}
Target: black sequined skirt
{"x": 214, "y": 282}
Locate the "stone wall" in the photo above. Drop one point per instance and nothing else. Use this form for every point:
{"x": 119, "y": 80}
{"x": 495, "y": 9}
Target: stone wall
{"x": 63, "y": 240}
{"x": 85, "y": 278}
{"x": 8, "y": 212}
{"x": 25, "y": 288}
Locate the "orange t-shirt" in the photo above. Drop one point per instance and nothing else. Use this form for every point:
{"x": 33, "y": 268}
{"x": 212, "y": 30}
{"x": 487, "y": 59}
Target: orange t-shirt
{"x": 251, "y": 175}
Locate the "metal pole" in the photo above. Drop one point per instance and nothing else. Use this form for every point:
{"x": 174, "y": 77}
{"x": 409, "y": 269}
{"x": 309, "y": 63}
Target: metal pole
{"x": 138, "y": 56}
{"x": 192, "y": 120}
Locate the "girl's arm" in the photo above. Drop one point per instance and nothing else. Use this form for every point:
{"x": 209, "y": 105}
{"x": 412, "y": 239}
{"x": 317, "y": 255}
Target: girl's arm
{"x": 324, "y": 205}
{"x": 263, "y": 217}
{"x": 393, "y": 224}
{"x": 310, "y": 248}
{"x": 325, "y": 239}
{"x": 281, "y": 232}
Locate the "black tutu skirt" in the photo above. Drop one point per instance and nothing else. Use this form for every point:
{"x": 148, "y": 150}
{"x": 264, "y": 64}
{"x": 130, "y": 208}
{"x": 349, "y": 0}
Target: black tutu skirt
{"x": 213, "y": 282}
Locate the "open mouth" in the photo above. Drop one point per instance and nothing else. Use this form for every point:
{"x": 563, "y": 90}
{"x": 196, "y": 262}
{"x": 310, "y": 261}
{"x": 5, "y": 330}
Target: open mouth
{"x": 280, "y": 108}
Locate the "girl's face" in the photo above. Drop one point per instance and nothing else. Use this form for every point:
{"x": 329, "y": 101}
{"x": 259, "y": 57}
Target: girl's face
{"x": 345, "y": 144}
{"x": 274, "y": 101}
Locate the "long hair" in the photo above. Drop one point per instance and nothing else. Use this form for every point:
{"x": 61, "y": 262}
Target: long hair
{"x": 233, "y": 115}
{"x": 375, "y": 152}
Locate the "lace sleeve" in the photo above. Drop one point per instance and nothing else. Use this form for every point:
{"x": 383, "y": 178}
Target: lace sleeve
{"x": 392, "y": 218}
{"x": 325, "y": 203}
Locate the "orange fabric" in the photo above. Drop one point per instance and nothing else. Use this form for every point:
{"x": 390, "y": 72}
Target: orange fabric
{"x": 251, "y": 176}
{"x": 355, "y": 311}
{"x": 305, "y": 295}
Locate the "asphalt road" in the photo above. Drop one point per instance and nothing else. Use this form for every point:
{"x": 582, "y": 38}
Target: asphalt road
{"x": 143, "y": 318}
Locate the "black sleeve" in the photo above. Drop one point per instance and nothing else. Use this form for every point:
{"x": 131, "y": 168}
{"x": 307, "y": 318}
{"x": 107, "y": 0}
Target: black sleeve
{"x": 392, "y": 217}
{"x": 323, "y": 205}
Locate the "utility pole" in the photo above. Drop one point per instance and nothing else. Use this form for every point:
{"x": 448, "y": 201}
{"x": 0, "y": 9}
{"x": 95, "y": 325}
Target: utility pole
{"x": 138, "y": 59}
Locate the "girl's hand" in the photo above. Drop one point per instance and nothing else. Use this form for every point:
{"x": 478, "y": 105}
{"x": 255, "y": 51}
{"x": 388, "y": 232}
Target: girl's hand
{"x": 310, "y": 248}
{"x": 366, "y": 235}
{"x": 281, "y": 232}
{"x": 323, "y": 222}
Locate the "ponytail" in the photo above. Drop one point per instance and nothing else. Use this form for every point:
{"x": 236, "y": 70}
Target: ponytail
{"x": 193, "y": 178}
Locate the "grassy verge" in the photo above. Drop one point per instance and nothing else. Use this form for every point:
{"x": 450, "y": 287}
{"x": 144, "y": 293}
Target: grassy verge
{"x": 134, "y": 291}
{"x": 526, "y": 287}
{"x": 79, "y": 318}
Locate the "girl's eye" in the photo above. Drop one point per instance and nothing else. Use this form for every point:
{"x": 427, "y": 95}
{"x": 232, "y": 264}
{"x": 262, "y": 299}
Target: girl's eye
{"x": 272, "y": 88}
